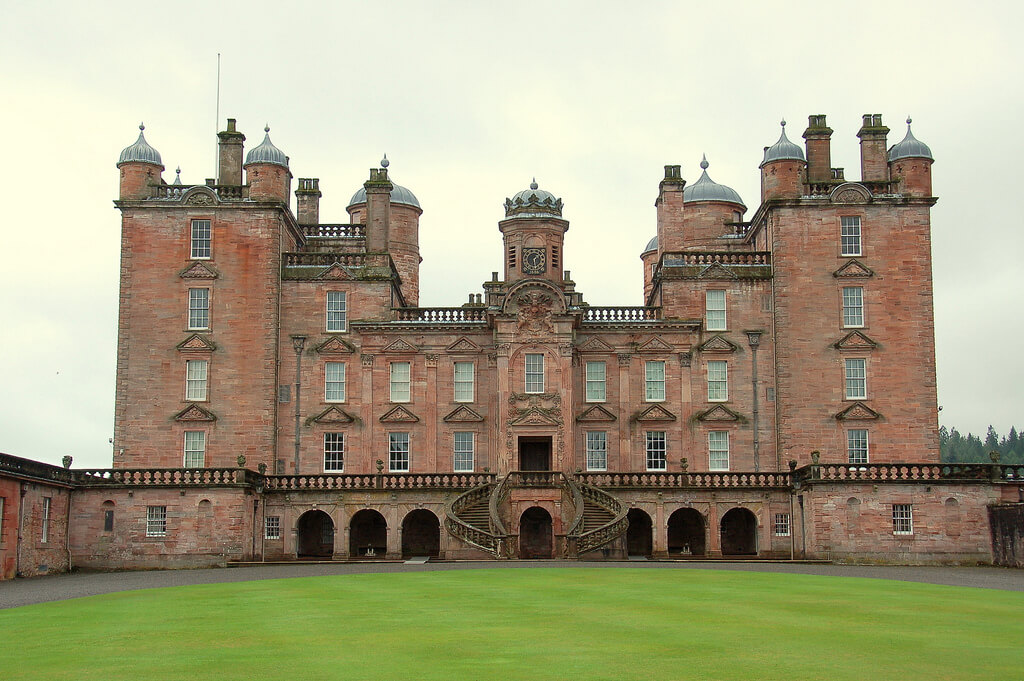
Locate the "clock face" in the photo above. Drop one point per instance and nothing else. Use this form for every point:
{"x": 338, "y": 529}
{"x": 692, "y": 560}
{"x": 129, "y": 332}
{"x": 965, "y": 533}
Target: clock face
{"x": 534, "y": 260}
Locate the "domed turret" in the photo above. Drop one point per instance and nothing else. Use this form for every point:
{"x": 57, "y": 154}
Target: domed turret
{"x": 783, "y": 150}
{"x": 652, "y": 245}
{"x": 140, "y": 166}
{"x": 533, "y": 202}
{"x": 266, "y": 169}
{"x": 706, "y": 189}
{"x": 649, "y": 257}
{"x": 266, "y": 152}
{"x": 140, "y": 152}
{"x": 910, "y": 147}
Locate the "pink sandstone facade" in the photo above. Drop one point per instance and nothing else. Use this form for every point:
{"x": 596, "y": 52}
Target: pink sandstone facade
{"x": 281, "y": 394}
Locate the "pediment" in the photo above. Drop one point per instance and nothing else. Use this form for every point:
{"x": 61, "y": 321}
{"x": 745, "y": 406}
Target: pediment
{"x": 398, "y": 345}
{"x": 717, "y": 344}
{"x": 194, "y": 412}
{"x": 333, "y": 415}
{"x": 336, "y": 272}
{"x": 855, "y": 340}
{"x": 719, "y": 413}
{"x": 853, "y": 269}
{"x": 199, "y": 270}
{"x": 199, "y": 196}
{"x": 858, "y": 411}
{"x": 463, "y": 345}
{"x": 655, "y": 344}
{"x": 463, "y": 414}
{"x": 850, "y": 192}
{"x": 196, "y": 343}
{"x": 399, "y": 414}
{"x": 656, "y": 412}
{"x": 595, "y": 413}
{"x": 535, "y": 416}
{"x": 717, "y": 271}
{"x": 335, "y": 346}
{"x": 595, "y": 344}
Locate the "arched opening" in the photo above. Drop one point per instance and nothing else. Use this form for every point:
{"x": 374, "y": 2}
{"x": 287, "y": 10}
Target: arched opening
{"x": 108, "y": 515}
{"x": 640, "y": 535}
{"x": 421, "y": 534}
{"x": 739, "y": 533}
{"x": 204, "y": 520}
{"x": 535, "y": 534}
{"x": 315, "y": 535}
{"x": 368, "y": 534}
{"x": 686, "y": 533}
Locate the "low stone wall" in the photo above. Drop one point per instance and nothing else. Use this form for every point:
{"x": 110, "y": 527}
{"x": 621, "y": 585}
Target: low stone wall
{"x": 1007, "y": 522}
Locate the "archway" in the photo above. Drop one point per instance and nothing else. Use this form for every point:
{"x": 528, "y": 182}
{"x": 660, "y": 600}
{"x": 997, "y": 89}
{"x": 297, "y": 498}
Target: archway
{"x": 421, "y": 534}
{"x": 640, "y": 535}
{"x": 368, "y": 534}
{"x": 686, "y": 533}
{"x": 315, "y": 535}
{"x": 739, "y": 533}
{"x": 536, "y": 538}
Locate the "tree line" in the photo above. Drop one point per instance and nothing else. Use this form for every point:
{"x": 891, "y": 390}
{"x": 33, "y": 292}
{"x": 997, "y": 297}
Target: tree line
{"x": 958, "y": 448}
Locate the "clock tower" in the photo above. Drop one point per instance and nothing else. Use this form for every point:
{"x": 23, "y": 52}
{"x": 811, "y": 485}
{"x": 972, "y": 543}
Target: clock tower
{"x": 534, "y": 233}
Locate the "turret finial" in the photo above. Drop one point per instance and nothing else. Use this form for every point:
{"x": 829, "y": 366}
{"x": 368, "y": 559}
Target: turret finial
{"x": 384, "y": 162}
{"x": 909, "y": 121}
{"x": 266, "y": 128}
{"x": 783, "y": 122}
{"x": 534, "y": 185}
{"x": 142, "y": 126}
{"x": 704, "y": 162}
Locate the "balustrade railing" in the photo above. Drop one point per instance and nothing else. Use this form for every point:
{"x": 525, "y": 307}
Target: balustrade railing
{"x": 655, "y": 479}
{"x": 682, "y": 258}
{"x": 620, "y": 314}
{"x": 441, "y": 315}
{"x": 388, "y": 481}
{"x": 335, "y": 231}
{"x": 491, "y": 542}
{"x": 15, "y": 465}
{"x": 161, "y": 477}
{"x": 224, "y": 192}
{"x": 910, "y": 472}
{"x": 599, "y": 536}
{"x": 535, "y": 478}
{"x": 324, "y": 259}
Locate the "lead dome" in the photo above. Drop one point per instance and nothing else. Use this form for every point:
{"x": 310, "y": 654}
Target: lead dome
{"x": 533, "y": 202}
{"x": 910, "y": 147}
{"x": 706, "y": 189}
{"x": 266, "y": 152}
{"x": 140, "y": 152}
{"x": 652, "y": 245}
{"x": 783, "y": 150}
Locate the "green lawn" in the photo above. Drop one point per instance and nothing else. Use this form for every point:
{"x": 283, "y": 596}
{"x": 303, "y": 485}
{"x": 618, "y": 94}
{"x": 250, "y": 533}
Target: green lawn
{"x": 529, "y": 624}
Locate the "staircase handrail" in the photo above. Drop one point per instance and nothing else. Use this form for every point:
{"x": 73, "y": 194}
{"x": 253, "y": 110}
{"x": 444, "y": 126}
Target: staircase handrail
{"x": 498, "y": 495}
{"x": 577, "y": 501}
{"x": 483, "y": 539}
{"x": 613, "y": 529}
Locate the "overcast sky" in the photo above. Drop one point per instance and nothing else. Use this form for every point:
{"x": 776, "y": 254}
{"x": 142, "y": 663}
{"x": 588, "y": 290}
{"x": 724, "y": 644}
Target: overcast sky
{"x": 470, "y": 100}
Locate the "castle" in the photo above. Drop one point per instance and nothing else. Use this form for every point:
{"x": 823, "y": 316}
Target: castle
{"x": 281, "y": 394}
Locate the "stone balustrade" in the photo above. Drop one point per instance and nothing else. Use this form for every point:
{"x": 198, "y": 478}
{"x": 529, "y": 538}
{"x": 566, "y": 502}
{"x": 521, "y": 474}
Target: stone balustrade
{"x": 441, "y": 315}
{"x": 620, "y": 314}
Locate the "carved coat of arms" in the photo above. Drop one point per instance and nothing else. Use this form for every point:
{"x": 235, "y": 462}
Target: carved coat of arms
{"x": 534, "y": 317}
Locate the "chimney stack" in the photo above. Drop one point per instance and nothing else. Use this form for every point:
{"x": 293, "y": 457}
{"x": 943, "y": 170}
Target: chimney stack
{"x": 874, "y": 162}
{"x": 307, "y": 201}
{"x": 819, "y": 150}
{"x": 229, "y": 171}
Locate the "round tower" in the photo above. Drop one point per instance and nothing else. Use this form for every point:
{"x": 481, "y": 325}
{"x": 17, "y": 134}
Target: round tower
{"x": 782, "y": 170}
{"x": 711, "y": 209}
{"x": 649, "y": 257}
{"x": 140, "y": 166}
{"x": 403, "y": 242}
{"x": 910, "y": 165}
{"x": 266, "y": 170}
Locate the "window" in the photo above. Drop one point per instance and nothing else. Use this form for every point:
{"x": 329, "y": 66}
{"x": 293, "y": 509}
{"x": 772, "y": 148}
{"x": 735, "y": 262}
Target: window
{"x": 47, "y": 502}
{"x": 718, "y": 381}
{"x": 334, "y": 452}
{"x": 853, "y": 306}
{"x": 595, "y": 379}
{"x": 534, "y": 372}
{"x": 195, "y": 380}
{"x": 781, "y": 525}
{"x": 400, "y": 380}
{"x": 334, "y": 382}
{"x": 108, "y": 521}
{"x": 463, "y": 462}
{"x": 856, "y": 379}
{"x": 718, "y": 450}
{"x": 398, "y": 452}
{"x": 200, "y": 239}
{"x": 272, "y": 527}
{"x": 857, "y": 446}
{"x": 654, "y": 381}
{"x": 464, "y": 381}
{"x": 714, "y": 316}
{"x": 337, "y": 311}
{"x": 902, "y": 519}
{"x": 195, "y": 449}
{"x": 656, "y": 451}
{"x": 850, "y": 235}
{"x": 156, "y": 521}
{"x": 597, "y": 451}
{"x": 199, "y": 308}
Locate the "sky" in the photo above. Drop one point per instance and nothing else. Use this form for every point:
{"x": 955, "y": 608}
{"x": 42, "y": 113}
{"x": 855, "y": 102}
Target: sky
{"x": 470, "y": 101}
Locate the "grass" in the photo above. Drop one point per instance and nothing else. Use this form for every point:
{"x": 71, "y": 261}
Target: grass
{"x": 531, "y": 624}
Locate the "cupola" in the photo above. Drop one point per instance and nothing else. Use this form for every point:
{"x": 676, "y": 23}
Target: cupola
{"x": 783, "y": 150}
{"x": 910, "y": 147}
{"x": 140, "y": 152}
{"x": 706, "y": 189}
{"x": 267, "y": 172}
{"x": 266, "y": 152}
{"x": 140, "y": 166}
{"x": 910, "y": 164}
{"x": 782, "y": 169}
{"x": 399, "y": 194}
{"x": 533, "y": 202}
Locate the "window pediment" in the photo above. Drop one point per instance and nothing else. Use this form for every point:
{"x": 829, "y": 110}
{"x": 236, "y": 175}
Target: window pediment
{"x": 196, "y": 343}
{"x": 858, "y": 411}
{"x": 194, "y": 412}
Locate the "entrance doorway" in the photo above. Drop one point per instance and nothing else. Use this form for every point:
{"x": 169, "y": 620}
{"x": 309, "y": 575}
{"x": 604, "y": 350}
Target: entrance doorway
{"x": 421, "y": 534}
{"x": 639, "y": 536}
{"x": 535, "y": 453}
{"x": 686, "y": 533}
{"x": 535, "y": 534}
{"x": 368, "y": 534}
{"x": 315, "y": 535}
{"x": 739, "y": 533}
